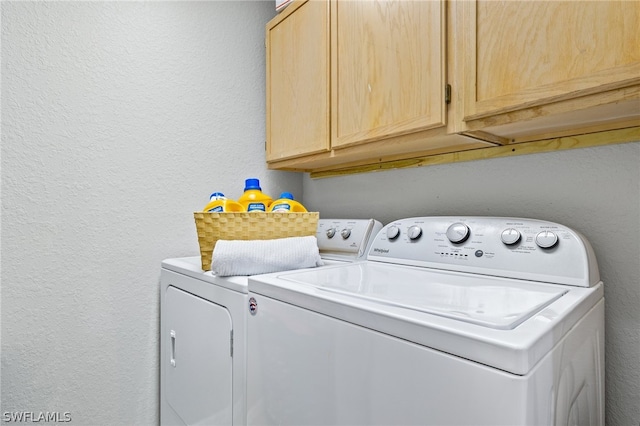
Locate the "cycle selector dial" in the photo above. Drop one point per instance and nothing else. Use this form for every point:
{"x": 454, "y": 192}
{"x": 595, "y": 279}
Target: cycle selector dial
{"x": 546, "y": 239}
{"x": 510, "y": 236}
{"x": 346, "y": 232}
{"x": 393, "y": 232}
{"x": 458, "y": 233}
{"x": 414, "y": 232}
{"x": 331, "y": 232}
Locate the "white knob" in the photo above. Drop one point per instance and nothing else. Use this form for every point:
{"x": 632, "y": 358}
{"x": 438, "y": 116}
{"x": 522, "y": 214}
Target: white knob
{"x": 345, "y": 233}
{"x": 331, "y": 232}
{"x": 414, "y": 232}
{"x": 458, "y": 233}
{"x": 510, "y": 236}
{"x": 393, "y": 232}
{"x": 546, "y": 239}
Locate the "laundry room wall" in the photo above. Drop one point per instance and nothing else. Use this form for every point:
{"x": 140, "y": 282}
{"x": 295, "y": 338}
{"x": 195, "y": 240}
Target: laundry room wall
{"x": 593, "y": 190}
{"x": 118, "y": 121}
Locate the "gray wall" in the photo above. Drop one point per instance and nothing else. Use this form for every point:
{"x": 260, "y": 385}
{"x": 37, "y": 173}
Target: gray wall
{"x": 593, "y": 190}
{"x": 118, "y": 121}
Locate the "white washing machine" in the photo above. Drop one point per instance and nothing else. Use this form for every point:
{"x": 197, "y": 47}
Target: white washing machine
{"x": 450, "y": 321}
{"x": 203, "y": 330}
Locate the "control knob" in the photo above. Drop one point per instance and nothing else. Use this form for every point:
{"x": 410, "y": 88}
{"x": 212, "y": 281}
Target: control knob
{"x": 393, "y": 232}
{"x": 414, "y": 232}
{"x": 510, "y": 236}
{"x": 458, "y": 233}
{"x": 546, "y": 239}
{"x": 346, "y": 232}
{"x": 331, "y": 232}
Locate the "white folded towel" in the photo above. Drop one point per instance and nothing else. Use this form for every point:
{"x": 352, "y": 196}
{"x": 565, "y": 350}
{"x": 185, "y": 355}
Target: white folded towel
{"x": 234, "y": 257}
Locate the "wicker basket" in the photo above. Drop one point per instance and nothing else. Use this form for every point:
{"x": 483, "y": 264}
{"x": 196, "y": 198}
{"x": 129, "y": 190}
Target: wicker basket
{"x": 212, "y": 227}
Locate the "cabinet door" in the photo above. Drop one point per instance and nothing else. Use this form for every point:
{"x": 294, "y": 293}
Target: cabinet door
{"x": 297, "y": 55}
{"x": 198, "y": 377}
{"x": 523, "y": 54}
{"x": 388, "y": 69}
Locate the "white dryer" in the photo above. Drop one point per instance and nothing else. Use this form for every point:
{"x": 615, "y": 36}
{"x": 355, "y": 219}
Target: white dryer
{"x": 450, "y": 321}
{"x": 203, "y": 330}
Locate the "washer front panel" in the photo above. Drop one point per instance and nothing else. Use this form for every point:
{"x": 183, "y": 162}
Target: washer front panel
{"x": 306, "y": 368}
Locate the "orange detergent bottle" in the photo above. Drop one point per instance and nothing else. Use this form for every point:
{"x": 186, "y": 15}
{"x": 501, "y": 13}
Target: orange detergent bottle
{"x": 286, "y": 204}
{"x": 253, "y": 199}
{"x": 219, "y": 203}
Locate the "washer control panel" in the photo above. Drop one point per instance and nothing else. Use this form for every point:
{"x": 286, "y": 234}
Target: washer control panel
{"x": 506, "y": 247}
{"x": 347, "y": 239}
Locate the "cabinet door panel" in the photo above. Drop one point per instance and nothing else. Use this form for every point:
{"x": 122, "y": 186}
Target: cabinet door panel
{"x": 521, "y": 54}
{"x": 387, "y": 69}
{"x": 298, "y": 81}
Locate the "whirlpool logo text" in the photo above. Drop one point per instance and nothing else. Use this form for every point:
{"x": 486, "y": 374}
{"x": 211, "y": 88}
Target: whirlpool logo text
{"x": 381, "y": 251}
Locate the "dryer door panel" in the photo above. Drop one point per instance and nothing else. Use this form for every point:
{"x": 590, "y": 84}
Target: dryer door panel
{"x": 198, "y": 377}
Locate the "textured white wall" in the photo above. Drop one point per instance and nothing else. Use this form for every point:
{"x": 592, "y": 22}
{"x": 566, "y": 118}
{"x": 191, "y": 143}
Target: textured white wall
{"x": 595, "y": 191}
{"x": 119, "y": 119}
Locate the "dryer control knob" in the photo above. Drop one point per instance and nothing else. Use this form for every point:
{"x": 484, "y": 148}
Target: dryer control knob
{"x": 458, "y": 233}
{"x": 393, "y": 232}
{"x": 331, "y": 232}
{"x": 510, "y": 236}
{"x": 546, "y": 239}
{"x": 346, "y": 232}
{"x": 414, "y": 232}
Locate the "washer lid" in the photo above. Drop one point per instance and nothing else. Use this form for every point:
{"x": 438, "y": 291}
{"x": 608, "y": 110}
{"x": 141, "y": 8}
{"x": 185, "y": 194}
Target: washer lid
{"x": 486, "y": 301}
{"x": 505, "y": 323}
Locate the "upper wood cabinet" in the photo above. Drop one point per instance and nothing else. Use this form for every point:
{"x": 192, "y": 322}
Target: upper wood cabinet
{"x": 387, "y": 69}
{"x": 536, "y": 60}
{"x": 297, "y": 82}
{"x": 357, "y": 83}
{"x": 354, "y": 82}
